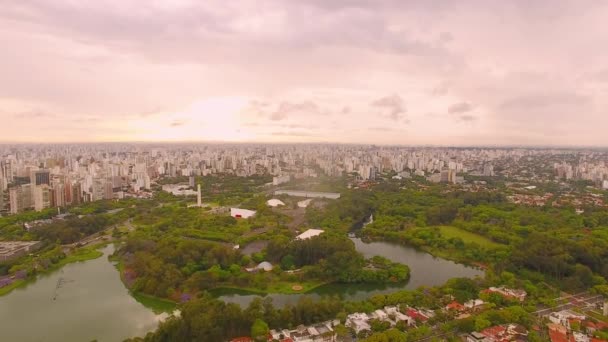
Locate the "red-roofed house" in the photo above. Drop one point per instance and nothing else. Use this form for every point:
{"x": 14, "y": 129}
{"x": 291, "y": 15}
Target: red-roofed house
{"x": 496, "y": 333}
{"x": 416, "y": 315}
{"x": 242, "y": 339}
{"x": 455, "y": 306}
{"x": 556, "y": 336}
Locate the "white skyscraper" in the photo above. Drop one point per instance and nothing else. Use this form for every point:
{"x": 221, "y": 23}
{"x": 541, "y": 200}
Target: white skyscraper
{"x": 198, "y": 197}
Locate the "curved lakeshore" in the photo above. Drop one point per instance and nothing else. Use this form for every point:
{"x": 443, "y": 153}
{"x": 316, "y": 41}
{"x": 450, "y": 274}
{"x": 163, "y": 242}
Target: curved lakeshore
{"x": 425, "y": 270}
{"x": 80, "y": 255}
{"x": 71, "y": 303}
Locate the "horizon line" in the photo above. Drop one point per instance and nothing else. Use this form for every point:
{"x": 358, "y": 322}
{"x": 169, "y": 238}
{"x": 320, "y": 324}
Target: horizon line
{"x": 219, "y": 142}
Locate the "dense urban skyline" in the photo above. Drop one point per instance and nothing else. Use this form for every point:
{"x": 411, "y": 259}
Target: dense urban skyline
{"x": 304, "y": 171}
{"x": 385, "y": 72}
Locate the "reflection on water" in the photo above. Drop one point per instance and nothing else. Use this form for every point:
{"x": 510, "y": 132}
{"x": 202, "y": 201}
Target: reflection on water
{"x": 425, "y": 270}
{"x": 87, "y": 300}
{"x": 90, "y": 303}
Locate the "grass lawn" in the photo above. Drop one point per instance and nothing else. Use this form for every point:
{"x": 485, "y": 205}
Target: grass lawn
{"x": 468, "y": 237}
{"x": 282, "y": 287}
{"x": 287, "y": 287}
{"x": 11, "y": 287}
{"x": 156, "y": 304}
{"x": 82, "y": 254}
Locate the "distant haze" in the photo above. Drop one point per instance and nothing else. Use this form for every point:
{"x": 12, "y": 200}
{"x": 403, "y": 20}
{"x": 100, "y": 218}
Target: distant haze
{"x": 387, "y": 72}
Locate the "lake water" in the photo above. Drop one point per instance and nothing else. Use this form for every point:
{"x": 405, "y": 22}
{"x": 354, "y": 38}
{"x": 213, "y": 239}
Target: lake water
{"x": 425, "y": 269}
{"x": 91, "y": 304}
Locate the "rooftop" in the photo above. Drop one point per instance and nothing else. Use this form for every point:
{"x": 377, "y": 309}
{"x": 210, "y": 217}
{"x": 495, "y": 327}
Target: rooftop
{"x": 309, "y": 234}
{"x": 8, "y": 248}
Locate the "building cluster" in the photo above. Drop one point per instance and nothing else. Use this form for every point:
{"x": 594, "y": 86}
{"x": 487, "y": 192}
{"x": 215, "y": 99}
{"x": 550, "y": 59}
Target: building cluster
{"x": 361, "y": 321}
{"x": 530, "y": 199}
{"x": 36, "y": 179}
{"x": 571, "y": 326}
{"x": 508, "y": 293}
{"x": 567, "y": 199}
{"x": 595, "y": 170}
{"x": 319, "y": 332}
{"x": 10, "y": 250}
{"x": 446, "y": 176}
{"x": 499, "y": 333}
{"x": 465, "y": 310}
{"x": 43, "y": 176}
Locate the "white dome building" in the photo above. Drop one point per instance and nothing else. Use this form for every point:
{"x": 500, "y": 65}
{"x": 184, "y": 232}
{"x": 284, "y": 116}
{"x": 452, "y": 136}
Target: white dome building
{"x": 264, "y": 265}
{"x": 275, "y": 202}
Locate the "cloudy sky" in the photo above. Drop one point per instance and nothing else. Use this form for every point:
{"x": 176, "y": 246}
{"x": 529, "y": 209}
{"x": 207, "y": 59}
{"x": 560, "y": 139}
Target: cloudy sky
{"x": 388, "y": 72}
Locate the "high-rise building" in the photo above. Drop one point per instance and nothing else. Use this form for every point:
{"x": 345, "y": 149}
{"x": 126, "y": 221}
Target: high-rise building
{"x": 58, "y": 195}
{"x": 98, "y": 189}
{"x": 6, "y": 169}
{"x": 42, "y": 197}
{"x": 488, "y": 170}
{"x": 76, "y": 193}
{"x": 147, "y": 182}
{"x": 67, "y": 192}
{"x": 40, "y": 177}
{"x": 452, "y": 177}
{"x": 21, "y": 180}
{"x": 20, "y": 198}
{"x": 445, "y": 176}
{"x": 199, "y": 202}
{"x": 367, "y": 172}
{"x": 108, "y": 191}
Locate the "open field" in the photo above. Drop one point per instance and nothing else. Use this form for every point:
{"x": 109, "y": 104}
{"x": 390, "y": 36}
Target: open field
{"x": 282, "y": 287}
{"x": 468, "y": 237}
{"x": 156, "y": 304}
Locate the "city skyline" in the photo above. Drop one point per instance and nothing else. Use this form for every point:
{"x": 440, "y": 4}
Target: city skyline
{"x": 436, "y": 74}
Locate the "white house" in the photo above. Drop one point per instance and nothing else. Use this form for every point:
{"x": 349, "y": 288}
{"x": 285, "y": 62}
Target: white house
{"x": 241, "y": 213}
{"x": 473, "y": 303}
{"x": 509, "y": 293}
{"x": 358, "y": 321}
{"x": 563, "y": 317}
{"x": 381, "y": 315}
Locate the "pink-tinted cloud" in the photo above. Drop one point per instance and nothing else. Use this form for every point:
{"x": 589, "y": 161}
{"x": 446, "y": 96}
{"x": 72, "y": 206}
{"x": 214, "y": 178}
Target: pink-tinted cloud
{"x": 492, "y": 71}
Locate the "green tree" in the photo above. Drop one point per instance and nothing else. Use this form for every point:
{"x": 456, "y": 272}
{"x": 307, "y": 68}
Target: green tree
{"x": 259, "y": 330}
{"x": 482, "y": 323}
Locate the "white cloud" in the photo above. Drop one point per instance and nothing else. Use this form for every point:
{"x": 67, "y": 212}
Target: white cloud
{"x": 322, "y": 69}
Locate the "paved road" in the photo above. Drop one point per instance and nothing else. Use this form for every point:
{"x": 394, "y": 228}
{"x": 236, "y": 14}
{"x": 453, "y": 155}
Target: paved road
{"x": 580, "y": 300}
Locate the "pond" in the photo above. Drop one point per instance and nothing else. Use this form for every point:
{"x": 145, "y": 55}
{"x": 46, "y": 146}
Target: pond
{"x": 425, "y": 270}
{"x": 90, "y": 303}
